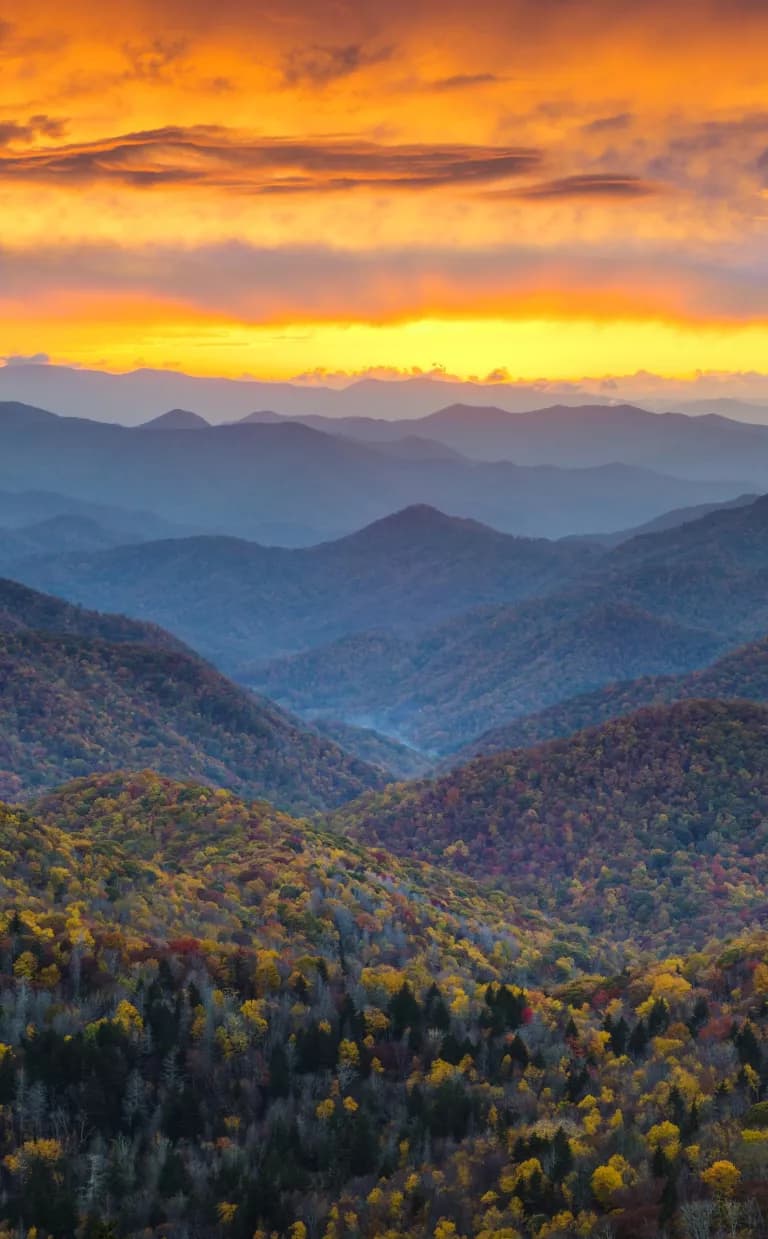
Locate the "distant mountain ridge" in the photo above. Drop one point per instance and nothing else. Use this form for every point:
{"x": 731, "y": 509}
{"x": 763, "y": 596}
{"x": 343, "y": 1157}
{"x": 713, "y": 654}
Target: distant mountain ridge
{"x": 133, "y": 397}
{"x": 32, "y": 507}
{"x": 248, "y": 480}
{"x": 582, "y": 436}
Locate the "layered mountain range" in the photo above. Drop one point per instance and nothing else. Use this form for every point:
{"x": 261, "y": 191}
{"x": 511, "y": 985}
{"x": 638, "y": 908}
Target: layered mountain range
{"x": 288, "y": 483}
{"x": 475, "y": 941}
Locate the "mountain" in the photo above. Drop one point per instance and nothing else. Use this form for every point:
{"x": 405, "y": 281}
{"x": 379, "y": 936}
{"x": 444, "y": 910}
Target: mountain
{"x": 742, "y": 673}
{"x": 131, "y": 398}
{"x": 661, "y": 603}
{"x": 238, "y": 602}
{"x": 33, "y": 507}
{"x": 667, "y": 520}
{"x": 176, "y": 419}
{"x": 243, "y": 480}
{"x": 17, "y": 413}
{"x": 81, "y": 692}
{"x": 738, "y": 410}
{"x": 702, "y": 447}
{"x": 56, "y": 535}
{"x": 579, "y": 435}
{"x": 642, "y": 828}
{"x": 414, "y": 447}
{"x": 439, "y": 690}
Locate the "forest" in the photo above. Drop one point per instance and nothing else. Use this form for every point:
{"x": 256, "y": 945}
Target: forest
{"x": 217, "y": 1020}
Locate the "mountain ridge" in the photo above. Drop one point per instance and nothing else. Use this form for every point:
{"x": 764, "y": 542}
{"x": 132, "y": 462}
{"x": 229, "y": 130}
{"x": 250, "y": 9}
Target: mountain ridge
{"x": 246, "y": 479}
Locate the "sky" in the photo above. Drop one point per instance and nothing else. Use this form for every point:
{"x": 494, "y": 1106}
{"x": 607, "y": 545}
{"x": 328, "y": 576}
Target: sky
{"x": 533, "y": 189}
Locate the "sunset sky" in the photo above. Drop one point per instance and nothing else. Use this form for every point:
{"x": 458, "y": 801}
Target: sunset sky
{"x": 553, "y": 188}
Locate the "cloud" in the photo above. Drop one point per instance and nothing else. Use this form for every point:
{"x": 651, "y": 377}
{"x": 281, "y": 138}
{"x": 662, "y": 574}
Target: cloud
{"x": 464, "y": 81}
{"x": 715, "y": 158}
{"x": 311, "y": 283}
{"x": 151, "y": 62}
{"x": 28, "y": 131}
{"x": 609, "y": 124}
{"x": 210, "y": 156}
{"x": 595, "y": 185}
{"x": 319, "y": 64}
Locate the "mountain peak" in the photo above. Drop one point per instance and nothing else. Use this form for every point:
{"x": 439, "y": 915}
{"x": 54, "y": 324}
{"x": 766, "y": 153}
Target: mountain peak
{"x": 176, "y": 419}
{"x": 418, "y": 520}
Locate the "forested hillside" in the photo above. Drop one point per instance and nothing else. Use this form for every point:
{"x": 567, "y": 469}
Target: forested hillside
{"x": 81, "y": 692}
{"x": 743, "y": 673}
{"x": 218, "y": 1020}
{"x": 445, "y": 686}
{"x": 653, "y": 828}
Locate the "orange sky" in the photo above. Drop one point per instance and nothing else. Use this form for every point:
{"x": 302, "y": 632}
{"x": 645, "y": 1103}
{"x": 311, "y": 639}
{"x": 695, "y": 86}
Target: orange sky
{"x": 553, "y": 187}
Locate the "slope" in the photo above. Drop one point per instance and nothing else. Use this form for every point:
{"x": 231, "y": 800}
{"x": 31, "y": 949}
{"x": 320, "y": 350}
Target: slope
{"x": 743, "y": 673}
{"x": 81, "y": 692}
{"x": 439, "y": 690}
{"x": 667, "y": 520}
{"x": 653, "y": 828}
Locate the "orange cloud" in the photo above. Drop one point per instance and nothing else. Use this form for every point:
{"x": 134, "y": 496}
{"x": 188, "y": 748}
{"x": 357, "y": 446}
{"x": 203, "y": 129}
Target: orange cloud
{"x": 348, "y": 164}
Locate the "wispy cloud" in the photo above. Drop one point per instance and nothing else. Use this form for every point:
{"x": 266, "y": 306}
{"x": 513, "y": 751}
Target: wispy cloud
{"x": 595, "y": 185}
{"x": 465, "y": 81}
{"x": 321, "y": 64}
{"x": 212, "y": 156}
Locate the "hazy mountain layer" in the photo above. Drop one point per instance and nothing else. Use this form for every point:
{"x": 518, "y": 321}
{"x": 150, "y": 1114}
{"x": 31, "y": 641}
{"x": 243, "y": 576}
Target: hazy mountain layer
{"x": 660, "y": 603}
{"x": 237, "y": 602}
{"x": 288, "y": 481}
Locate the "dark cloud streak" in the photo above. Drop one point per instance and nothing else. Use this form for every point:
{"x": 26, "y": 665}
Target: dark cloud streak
{"x": 596, "y": 185}
{"x": 213, "y": 157}
{"x": 28, "y": 131}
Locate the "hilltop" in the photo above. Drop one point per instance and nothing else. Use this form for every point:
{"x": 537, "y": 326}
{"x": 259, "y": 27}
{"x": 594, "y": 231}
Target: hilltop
{"x": 411, "y": 568}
